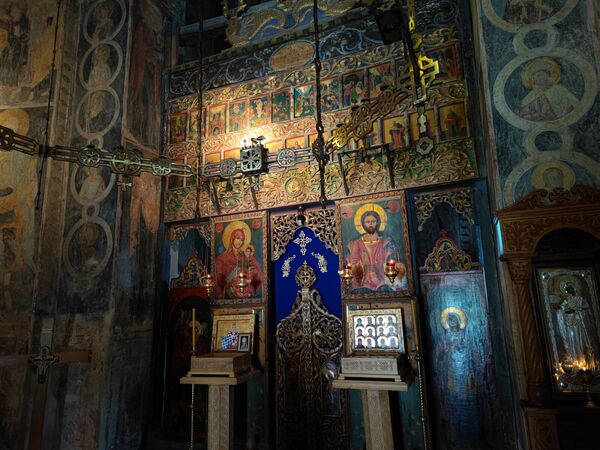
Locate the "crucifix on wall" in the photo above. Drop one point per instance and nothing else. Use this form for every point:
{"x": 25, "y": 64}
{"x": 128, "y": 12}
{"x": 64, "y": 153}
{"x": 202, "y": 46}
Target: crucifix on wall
{"x": 42, "y": 362}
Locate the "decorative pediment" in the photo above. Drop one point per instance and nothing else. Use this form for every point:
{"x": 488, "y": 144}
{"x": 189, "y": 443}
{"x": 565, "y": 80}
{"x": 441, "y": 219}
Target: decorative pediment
{"x": 525, "y": 222}
{"x": 460, "y": 200}
{"x": 192, "y": 275}
{"x": 180, "y": 232}
{"x": 321, "y": 222}
{"x": 447, "y": 257}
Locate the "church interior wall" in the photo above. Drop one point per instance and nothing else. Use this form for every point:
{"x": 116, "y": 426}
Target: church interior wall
{"x": 113, "y": 270}
{"x": 271, "y": 71}
{"x": 96, "y": 265}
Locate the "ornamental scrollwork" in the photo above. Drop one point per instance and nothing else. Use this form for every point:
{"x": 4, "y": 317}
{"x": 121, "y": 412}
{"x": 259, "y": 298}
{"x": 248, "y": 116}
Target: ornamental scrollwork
{"x": 283, "y": 228}
{"x": 525, "y": 222}
{"x": 321, "y": 261}
{"x": 447, "y": 257}
{"x": 309, "y": 348}
{"x": 577, "y": 195}
{"x": 460, "y": 200}
{"x": 286, "y": 266}
{"x": 192, "y": 275}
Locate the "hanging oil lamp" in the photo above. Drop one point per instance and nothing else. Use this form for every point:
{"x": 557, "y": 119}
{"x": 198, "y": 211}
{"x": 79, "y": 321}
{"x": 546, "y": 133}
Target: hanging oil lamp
{"x": 346, "y": 275}
{"x": 391, "y": 271}
{"x": 242, "y": 282}
{"x": 209, "y": 284}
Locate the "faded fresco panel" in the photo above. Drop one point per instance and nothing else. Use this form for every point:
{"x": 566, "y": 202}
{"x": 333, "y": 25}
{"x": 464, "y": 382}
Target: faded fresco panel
{"x": 462, "y": 382}
{"x": 542, "y": 67}
{"x": 145, "y": 75}
{"x": 26, "y": 39}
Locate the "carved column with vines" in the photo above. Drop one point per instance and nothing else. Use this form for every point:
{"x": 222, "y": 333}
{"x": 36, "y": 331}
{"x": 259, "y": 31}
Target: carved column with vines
{"x": 520, "y": 274}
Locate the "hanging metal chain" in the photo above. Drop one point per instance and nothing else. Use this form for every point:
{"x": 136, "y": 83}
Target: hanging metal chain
{"x": 200, "y": 81}
{"x": 319, "y": 145}
{"x": 48, "y": 106}
{"x": 192, "y": 409}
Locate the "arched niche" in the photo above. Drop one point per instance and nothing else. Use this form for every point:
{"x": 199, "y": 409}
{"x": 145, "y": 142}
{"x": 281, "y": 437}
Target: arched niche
{"x": 529, "y": 225}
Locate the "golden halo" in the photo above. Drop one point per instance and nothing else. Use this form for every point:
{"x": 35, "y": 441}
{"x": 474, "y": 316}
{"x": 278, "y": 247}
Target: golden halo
{"x": 537, "y": 177}
{"x": 16, "y": 119}
{"x": 565, "y": 279}
{"x": 369, "y": 207}
{"x": 236, "y": 225}
{"x": 453, "y": 310}
{"x": 544, "y": 63}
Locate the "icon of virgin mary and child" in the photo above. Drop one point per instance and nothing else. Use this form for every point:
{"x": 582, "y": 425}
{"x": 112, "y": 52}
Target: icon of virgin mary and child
{"x": 237, "y": 257}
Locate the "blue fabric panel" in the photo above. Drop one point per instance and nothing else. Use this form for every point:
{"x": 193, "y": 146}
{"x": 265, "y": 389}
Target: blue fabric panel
{"x": 328, "y": 283}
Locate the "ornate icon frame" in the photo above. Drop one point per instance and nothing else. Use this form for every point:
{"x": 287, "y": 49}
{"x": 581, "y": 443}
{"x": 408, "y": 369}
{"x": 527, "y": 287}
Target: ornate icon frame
{"x": 223, "y": 221}
{"x": 355, "y": 204}
{"x": 584, "y": 274}
{"x": 376, "y": 314}
{"x": 410, "y": 325}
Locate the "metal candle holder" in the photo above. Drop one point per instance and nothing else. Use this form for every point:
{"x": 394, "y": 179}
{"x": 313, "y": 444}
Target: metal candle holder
{"x": 346, "y": 275}
{"x": 209, "y": 284}
{"x": 391, "y": 271}
{"x": 579, "y": 373}
{"x": 242, "y": 282}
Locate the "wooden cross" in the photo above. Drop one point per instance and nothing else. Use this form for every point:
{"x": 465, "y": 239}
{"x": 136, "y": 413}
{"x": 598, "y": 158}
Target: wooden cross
{"x": 42, "y": 362}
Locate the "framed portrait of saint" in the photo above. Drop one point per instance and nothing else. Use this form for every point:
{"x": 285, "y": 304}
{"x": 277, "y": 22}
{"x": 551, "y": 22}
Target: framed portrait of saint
{"x": 233, "y": 332}
{"x": 238, "y": 252}
{"x": 570, "y": 312}
{"x": 374, "y": 233}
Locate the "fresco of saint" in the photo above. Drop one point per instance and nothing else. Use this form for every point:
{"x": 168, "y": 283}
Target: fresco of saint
{"x": 547, "y": 99}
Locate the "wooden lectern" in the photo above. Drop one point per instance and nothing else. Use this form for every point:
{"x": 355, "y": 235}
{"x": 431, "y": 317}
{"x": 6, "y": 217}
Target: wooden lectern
{"x": 221, "y": 372}
{"x": 375, "y": 377}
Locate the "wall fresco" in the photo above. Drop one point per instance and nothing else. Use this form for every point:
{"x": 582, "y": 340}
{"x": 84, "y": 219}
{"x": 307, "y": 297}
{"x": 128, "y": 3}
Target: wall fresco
{"x": 26, "y": 37}
{"x": 544, "y": 93}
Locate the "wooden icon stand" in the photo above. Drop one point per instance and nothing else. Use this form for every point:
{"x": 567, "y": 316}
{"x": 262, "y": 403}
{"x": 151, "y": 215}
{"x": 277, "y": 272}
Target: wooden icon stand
{"x": 375, "y": 377}
{"x": 220, "y": 372}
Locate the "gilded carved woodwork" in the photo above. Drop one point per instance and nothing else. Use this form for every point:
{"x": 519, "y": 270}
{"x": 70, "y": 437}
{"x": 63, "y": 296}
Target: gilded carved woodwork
{"x": 192, "y": 275}
{"x": 449, "y": 161}
{"x": 359, "y": 122}
{"x": 447, "y": 257}
{"x": 523, "y": 224}
{"x": 283, "y": 227}
{"x": 542, "y": 429}
{"x": 309, "y": 348}
{"x": 460, "y": 200}
{"x": 179, "y": 233}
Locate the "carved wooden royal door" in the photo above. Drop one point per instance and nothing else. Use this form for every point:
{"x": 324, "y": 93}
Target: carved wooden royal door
{"x": 309, "y": 346}
{"x": 310, "y": 413}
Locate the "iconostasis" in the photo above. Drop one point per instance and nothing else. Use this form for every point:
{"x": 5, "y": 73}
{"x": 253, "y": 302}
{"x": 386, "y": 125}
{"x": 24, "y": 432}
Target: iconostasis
{"x": 422, "y": 212}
